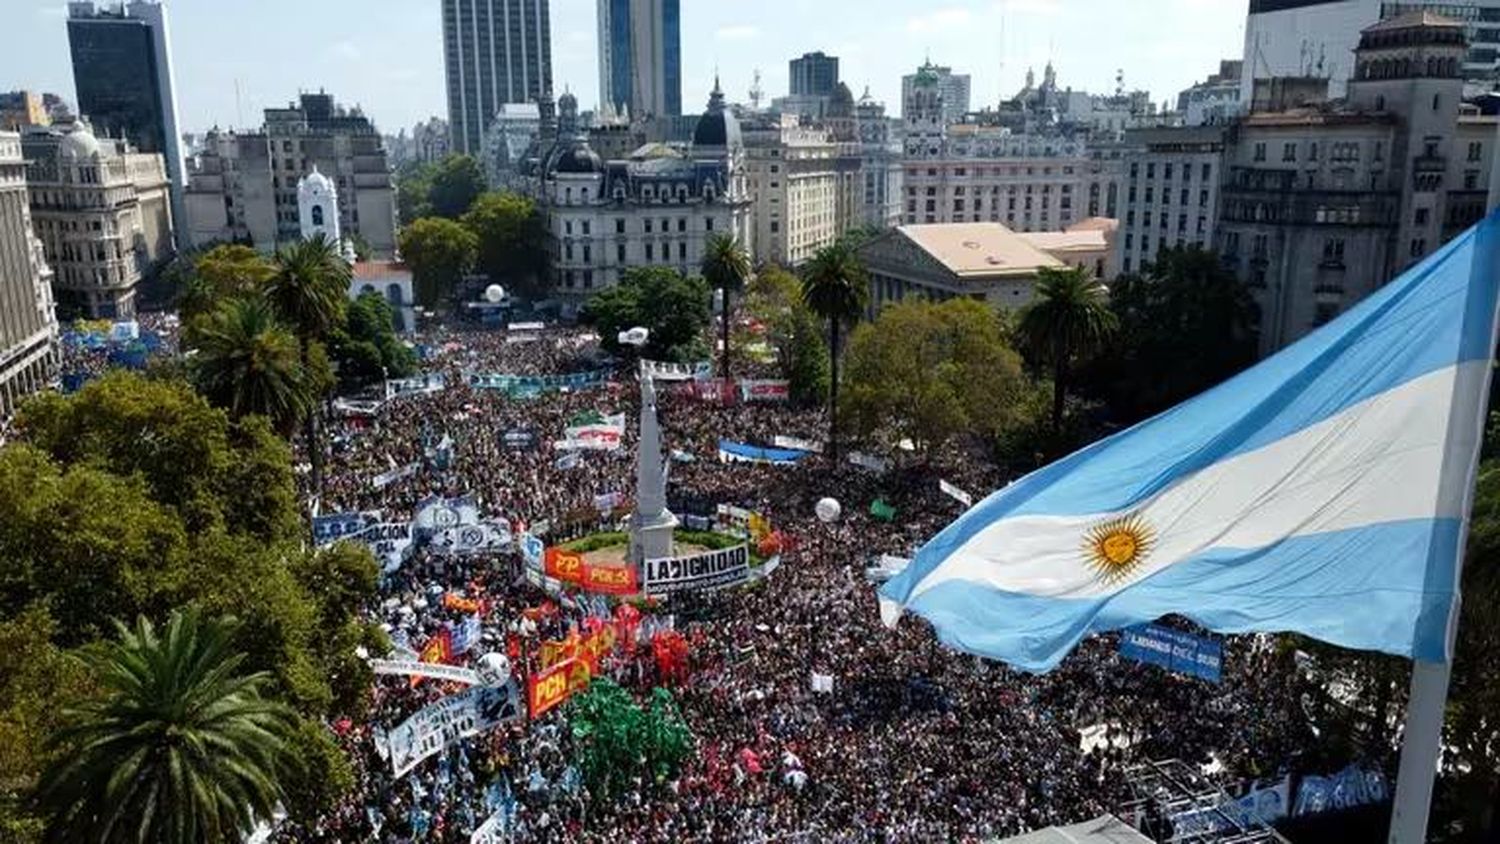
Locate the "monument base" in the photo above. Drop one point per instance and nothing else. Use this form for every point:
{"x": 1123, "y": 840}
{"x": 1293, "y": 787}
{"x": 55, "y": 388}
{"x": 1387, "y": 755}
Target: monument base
{"x": 651, "y": 538}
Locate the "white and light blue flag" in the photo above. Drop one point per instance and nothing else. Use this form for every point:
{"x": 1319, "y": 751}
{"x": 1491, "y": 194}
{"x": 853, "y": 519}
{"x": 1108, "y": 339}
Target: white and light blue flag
{"x": 1324, "y": 491}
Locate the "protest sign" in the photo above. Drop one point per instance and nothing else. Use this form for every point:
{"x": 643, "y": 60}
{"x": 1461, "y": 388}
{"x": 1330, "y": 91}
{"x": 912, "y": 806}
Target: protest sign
{"x": 566, "y": 566}
{"x": 455, "y": 717}
{"x": 465, "y": 635}
{"x": 594, "y": 432}
{"x": 659, "y": 371}
{"x": 416, "y": 668}
{"x": 390, "y": 476}
{"x": 520, "y": 438}
{"x": 956, "y": 494}
{"x": 822, "y": 683}
{"x": 483, "y": 538}
{"x": 390, "y": 542}
{"x": 764, "y": 391}
{"x": 797, "y": 444}
{"x": 733, "y": 452}
{"x": 1174, "y": 650}
{"x": 869, "y": 461}
{"x": 550, "y": 688}
{"x": 609, "y": 580}
{"x": 336, "y": 526}
{"x": 570, "y": 460}
{"x": 436, "y": 514}
{"x": 697, "y": 572}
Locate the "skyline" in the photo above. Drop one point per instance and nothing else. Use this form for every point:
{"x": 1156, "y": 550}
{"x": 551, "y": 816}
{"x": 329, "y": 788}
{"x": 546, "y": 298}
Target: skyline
{"x": 320, "y": 46}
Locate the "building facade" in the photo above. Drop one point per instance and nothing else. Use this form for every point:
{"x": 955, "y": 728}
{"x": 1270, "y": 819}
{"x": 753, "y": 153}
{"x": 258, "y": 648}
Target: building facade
{"x": 1324, "y": 203}
{"x": 1215, "y": 100}
{"x": 22, "y": 108}
{"x": 1170, "y": 191}
{"x": 122, "y": 68}
{"x": 243, "y": 187}
{"x": 513, "y": 131}
{"x": 983, "y": 261}
{"x": 794, "y": 181}
{"x": 954, "y": 88}
{"x": 495, "y": 52}
{"x": 640, "y": 56}
{"x": 657, "y": 208}
{"x": 1318, "y": 37}
{"x": 103, "y": 214}
{"x": 813, "y": 75}
{"x": 969, "y": 172}
{"x": 881, "y": 172}
{"x": 28, "y": 321}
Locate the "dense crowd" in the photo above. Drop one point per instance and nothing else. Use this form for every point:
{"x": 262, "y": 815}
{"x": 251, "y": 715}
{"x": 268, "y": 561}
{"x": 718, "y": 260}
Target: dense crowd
{"x": 915, "y": 742}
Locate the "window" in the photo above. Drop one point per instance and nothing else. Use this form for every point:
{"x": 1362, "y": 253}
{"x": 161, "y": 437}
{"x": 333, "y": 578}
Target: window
{"x": 317, "y": 216}
{"x": 1476, "y": 151}
{"x": 588, "y": 257}
{"x": 709, "y": 224}
{"x": 775, "y": 226}
{"x": 620, "y": 252}
{"x": 650, "y": 253}
{"x": 1421, "y": 219}
{"x": 568, "y": 252}
{"x": 1333, "y": 251}
{"x": 1208, "y": 170}
{"x": 1418, "y": 247}
{"x": 682, "y": 224}
{"x": 586, "y": 228}
{"x": 1289, "y": 152}
{"x": 1260, "y": 152}
{"x": 619, "y": 225}
{"x": 1151, "y": 170}
{"x": 647, "y": 224}
{"x": 682, "y": 250}
{"x": 1312, "y": 151}
{"x": 567, "y": 227}
{"x": 1166, "y": 171}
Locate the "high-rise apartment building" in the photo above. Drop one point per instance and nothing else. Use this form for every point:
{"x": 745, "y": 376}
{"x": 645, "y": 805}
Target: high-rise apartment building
{"x": 495, "y": 52}
{"x": 1170, "y": 191}
{"x": 243, "y": 186}
{"x": 640, "y": 57}
{"x": 28, "y": 324}
{"x": 813, "y": 75}
{"x": 122, "y": 68}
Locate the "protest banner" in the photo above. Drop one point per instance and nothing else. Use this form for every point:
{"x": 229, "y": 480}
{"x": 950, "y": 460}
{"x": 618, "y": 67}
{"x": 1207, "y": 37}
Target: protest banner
{"x": 1347, "y": 789}
{"x": 696, "y": 572}
{"x": 869, "y": 462}
{"x": 608, "y": 501}
{"x": 956, "y": 494}
{"x": 455, "y": 601}
{"x": 665, "y": 372}
{"x": 532, "y": 550}
{"x": 883, "y": 511}
{"x": 1174, "y": 650}
{"x": 797, "y": 444}
{"x": 570, "y": 460}
{"x": 416, "y": 668}
{"x": 733, "y": 452}
{"x": 520, "y": 438}
{"x": 432, "y": 729}
{"x": 822, "y": 683}
{"x": 559, "y": 650}
{"x": 390, "y": 542}
{"x": 595, "y": 432}
{"x": 566, "y": 566}
{"x": 435, "y": 513}
{"x": 427, "y": 384}
{"x": 335, "y": 526}
{"x": 549, "y": 688}
{"x": 483, "y": 538}
{"x": 598, "y": 644}
{"x": 390, "y": 476}
{"x": 764, "y": 391}
{"x": 610, "y": 580}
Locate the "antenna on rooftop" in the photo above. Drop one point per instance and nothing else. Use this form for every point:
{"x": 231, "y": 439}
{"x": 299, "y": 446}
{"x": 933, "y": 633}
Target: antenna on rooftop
{"x": 756, "y": 92}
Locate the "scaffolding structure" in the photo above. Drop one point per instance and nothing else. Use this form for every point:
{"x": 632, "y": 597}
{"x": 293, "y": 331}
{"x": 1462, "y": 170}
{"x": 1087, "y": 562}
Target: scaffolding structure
{"x": 1173, "y": 789}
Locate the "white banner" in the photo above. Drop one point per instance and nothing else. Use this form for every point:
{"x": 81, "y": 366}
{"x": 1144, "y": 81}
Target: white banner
{"x": 385, "y": 479}
{"x": 390, "y": 542}
{"x": 439, "y": 514}
{"x": 956, "y": 494}
{"x": 491, "y": 832}
{"x": 822, "y": 683}
{"x": 697, "y": 572}
{"x": 483, "y": 538}
{"x": 567, "y": 461}
{"x": 599, "y": 436}
{"x": 869, "y": 461}
{"x": 776, "y": 391}
{"x": 676, "y": 371}
{"x": 455, "y": 717}
{"x": 797, "y": 443}
{"x": 416, "y": 668}
{"x": 420, "y": 384}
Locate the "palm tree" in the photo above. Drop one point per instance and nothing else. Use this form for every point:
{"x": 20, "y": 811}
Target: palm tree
{"x": 247, "y": 362}
{"x": 834, "y": 287}
{"x": 726, "y": 266}
{"x": 309, "y": 293}
{"x": 180, "y": 747}
{"x": 1069, "y": 317}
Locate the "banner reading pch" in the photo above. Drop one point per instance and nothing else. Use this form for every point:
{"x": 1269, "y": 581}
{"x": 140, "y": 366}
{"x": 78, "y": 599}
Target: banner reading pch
{"x": 609, "y": 580}
{"x": 550, "y": 688}
{"x": 698, "y": 572}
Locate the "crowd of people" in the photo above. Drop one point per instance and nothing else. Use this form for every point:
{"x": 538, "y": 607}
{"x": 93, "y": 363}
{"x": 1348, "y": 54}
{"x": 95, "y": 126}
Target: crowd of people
{"x": 914, "y": 742}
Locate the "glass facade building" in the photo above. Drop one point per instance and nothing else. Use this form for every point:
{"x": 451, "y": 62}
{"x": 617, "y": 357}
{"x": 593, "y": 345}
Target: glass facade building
{"x": 495, "y": 52}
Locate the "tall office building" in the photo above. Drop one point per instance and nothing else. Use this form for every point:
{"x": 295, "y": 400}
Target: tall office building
{"x": 28, "y": 325}
{"x": 495, "y": 52}
{"x": 813, "y": 75}
{"x": 953, "y": 86}
{"x": 122, "y": 67}
{"x": 640, "y": 57}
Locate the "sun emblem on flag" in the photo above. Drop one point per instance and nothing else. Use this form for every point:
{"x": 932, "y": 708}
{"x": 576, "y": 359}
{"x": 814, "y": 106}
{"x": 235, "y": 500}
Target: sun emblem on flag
{"x": 1117, "y": 546}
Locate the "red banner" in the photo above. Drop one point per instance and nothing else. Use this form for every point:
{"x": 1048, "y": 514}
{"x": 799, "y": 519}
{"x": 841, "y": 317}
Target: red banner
{"x": 439, "y": 649}
{"x": 550, "y": 688}
{"x": 559, "y": 651}
{"x": 454, "y": 601}
{"x": 610, "y": 580}
{"x": 566, "y": 566}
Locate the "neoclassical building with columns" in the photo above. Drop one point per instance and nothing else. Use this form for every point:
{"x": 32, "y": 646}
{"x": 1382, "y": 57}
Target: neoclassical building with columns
{"x": 28, "y": 324}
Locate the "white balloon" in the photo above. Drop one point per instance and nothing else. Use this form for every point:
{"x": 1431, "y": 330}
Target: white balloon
{"x": 493, "y": 669}
{"x": 494, "y": 294}
{"x": 828, "y": 510}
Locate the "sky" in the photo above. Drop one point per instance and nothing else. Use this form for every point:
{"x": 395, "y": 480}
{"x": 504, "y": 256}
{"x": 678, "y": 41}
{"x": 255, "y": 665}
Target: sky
{"x": 233, "y": 58}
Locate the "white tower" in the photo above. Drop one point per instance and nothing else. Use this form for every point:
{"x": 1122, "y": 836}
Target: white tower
{"x": 318, "y": 206}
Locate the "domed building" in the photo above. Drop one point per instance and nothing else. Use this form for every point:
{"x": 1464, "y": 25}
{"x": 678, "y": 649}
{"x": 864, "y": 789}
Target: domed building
{"x": 103, "y": 214}
{"x": 657, "y": 207}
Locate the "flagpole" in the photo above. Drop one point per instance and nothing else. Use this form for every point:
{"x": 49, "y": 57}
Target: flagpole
{"x": 1422, "y": 739}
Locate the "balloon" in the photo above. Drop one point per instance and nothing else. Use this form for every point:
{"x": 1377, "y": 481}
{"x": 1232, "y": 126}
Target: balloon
{"x": 828, "y": 510}
{"x": 494, "y": 294}
{"x": 634, "y": 337}
{"x": 493, "y": 669}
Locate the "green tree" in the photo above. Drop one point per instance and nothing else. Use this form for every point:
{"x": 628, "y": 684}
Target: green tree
{"x": 440, "y": 253}
{"x": 834, "y": 286}
{"x": 413, "y": 185}
{"x": 456, "y": 182}
{"x": 309, "y": 293}
{"x": 930, "y": 373}
{"x": 365, "y": 347}
{"x": 1186, "y": 300}
{"x": 673, "y": 307}
{"x": 1068, "y": 319}
{"x": 510, "y": 234}
{"x": 181, "y": 747}
{"x": 725, "y": 267}
{"x": 248, "y": 363}
{"x": 223, "y": 272}
{"x": 797, "y": 335}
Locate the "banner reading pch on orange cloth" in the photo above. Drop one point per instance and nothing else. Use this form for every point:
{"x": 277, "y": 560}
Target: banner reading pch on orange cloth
{"x": 566, "y": 566}
{"x": 550, "y": 688}
{"x": 554, "y": 652}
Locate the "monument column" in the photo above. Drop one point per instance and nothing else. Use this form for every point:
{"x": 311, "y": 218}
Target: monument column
{"x": 652, "y": 523}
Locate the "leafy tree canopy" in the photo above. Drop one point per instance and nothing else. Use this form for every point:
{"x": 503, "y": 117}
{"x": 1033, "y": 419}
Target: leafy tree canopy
{"x": 443, "y": 188}
{"x": 930, "y": 373}
{"x": 510, "y": 233}
{"x": 440, "y": 252}
{"x": 366, "y": 346}
{"x": 673, "y": 307}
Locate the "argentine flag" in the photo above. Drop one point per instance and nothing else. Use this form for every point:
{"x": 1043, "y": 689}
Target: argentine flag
{"x": 1324, "y": 491}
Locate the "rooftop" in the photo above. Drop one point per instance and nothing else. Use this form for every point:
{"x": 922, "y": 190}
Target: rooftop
{"x": 971, "y": 250}
{"x": 379, "y": 270}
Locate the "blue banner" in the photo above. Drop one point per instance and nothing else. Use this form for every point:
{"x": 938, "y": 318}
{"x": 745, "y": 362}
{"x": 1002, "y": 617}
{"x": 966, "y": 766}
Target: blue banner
{"x": 1184, "y": 653}
{"x": 743, "y": 452}
{"x": 532, "y": 385}
{"x": 1347, "y": 789}
{"x": 335, "y": 526}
